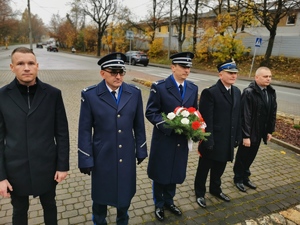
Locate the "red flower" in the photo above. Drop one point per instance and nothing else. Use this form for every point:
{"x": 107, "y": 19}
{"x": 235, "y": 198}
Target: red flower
{"x": 191, "y": 110}
{"x": 196, "y": 125}
{"x": 186, "y": 121}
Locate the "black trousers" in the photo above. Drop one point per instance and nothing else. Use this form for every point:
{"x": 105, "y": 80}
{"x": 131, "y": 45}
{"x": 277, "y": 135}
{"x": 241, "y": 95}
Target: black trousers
{"x": 243, "y": 160}
{"x": 163, "y": 194}
{"x": 21, "y": 205}
{"x": 216, "y": 169}
{"x": 100, "y": 213}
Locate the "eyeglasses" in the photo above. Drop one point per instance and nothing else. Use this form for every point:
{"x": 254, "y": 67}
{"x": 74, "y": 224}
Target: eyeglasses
{"x": 115, "y": 73}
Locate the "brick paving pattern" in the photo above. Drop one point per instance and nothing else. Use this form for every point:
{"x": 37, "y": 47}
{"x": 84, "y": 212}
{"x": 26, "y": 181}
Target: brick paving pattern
{"x": 275, "y": 171}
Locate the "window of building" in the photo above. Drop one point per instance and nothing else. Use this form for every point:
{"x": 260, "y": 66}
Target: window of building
{"x": 291, "y": 19}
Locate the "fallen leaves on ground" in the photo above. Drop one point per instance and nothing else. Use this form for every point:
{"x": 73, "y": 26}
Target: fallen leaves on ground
{"x": 286, "y": 132}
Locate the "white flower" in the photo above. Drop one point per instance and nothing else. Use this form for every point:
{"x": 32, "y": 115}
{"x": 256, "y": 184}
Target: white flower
{"x": 185, "y": 121}
{"x": 185, "y": 113}
{"x": 171, "y": 115}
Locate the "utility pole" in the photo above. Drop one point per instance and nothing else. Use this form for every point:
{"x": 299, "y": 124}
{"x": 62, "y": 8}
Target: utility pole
{"x": 84, "y": 31}
{"x": 29, "y": 21}
{"x": 170, "y": 29}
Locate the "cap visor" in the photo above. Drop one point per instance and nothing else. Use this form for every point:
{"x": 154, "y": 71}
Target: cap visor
{"x": 185, "y": 65}
{"x": 231, "y": 70}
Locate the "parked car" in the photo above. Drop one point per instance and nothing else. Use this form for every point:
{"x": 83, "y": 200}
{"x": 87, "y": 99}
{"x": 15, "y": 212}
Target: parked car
{"x": 137, "y": 57}
{"x": 39, "y": 45}
{"x": 52, "y": 48}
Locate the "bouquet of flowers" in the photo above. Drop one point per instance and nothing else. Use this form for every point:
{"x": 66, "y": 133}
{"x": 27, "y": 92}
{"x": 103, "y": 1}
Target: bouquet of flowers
{"x": 186, "y": 121}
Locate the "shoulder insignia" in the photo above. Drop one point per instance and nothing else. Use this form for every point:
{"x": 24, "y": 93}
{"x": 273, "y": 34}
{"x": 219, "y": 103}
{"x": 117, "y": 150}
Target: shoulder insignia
{"x": 159, "y": 82}
{"x": 152, "y": 90}
{"x": 89, "y": 88}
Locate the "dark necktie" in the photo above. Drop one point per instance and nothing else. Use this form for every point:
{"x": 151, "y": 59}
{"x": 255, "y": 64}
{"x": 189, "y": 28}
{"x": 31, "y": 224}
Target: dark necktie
{"x": 114, "y": 94}
{"x": 180, "y": 89}
{"x": 229, "y": 91}
{"x": 265, "y": 94}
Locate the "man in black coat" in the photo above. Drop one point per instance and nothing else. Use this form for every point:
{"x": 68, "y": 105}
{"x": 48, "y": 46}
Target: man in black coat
{"x": 258, "y": 110}
{"x": 220, "y": 109}
{"x": 34, "y": 139}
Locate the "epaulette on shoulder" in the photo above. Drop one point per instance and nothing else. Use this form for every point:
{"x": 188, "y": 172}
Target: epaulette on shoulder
{"x": 134, "y": 86}
{"x": 89, "y": 88}
{"x": 159, "y": 82}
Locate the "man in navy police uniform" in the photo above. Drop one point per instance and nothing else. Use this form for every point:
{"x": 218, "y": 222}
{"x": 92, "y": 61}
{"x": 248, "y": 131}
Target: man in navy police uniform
{"x": 169, "y": 151}
{"x": 219, "y": 106}
{"x": 111, "y": 137}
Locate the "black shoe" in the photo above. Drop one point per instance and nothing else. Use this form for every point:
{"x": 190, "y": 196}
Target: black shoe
{"x": 159, "y": 214}
{"x": 250, "y": 184}
{"x": 201, "y": 201}
{"x": 222, "y": 196}
{"x": 240, "y": 186}
{"x": 174, "y": 209}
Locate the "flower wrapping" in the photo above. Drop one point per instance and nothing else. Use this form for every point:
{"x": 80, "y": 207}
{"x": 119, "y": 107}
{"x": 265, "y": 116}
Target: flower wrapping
{"x": 188, "y": 122}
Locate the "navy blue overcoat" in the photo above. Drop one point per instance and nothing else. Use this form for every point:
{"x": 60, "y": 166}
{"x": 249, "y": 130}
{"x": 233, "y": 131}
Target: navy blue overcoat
{"x": 110, "y": 138}
{"x": 169, "y": 151}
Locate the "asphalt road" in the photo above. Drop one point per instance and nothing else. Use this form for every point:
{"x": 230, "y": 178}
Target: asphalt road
{"x": 287, "y": 96}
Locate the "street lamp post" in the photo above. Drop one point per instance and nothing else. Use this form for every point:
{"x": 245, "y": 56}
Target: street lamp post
{"x": 29, "y": 23}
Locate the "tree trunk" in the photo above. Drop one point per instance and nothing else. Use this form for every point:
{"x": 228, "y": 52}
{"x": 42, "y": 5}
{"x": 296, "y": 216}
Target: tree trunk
{"x": 180, "y": 43}
{"x": 99, "y": 40}
{"x": 266, "y": 61}
{"x": 195, "y": 25}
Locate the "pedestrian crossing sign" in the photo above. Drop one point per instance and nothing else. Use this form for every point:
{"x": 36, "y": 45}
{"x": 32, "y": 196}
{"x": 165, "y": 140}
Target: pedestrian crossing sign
{"x": 258, "y": 42}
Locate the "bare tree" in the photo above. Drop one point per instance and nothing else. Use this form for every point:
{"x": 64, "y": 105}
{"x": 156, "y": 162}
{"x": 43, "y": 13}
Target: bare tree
{"x": 99, "y": 11}
{"x": 76, "y": 15}
{"x": 182, "y": 22}
{"x": 195, "y": 23}
{"x": 55, "y": 21}
{"x": 269, "y": 14}
{"x": 155, "y": 18}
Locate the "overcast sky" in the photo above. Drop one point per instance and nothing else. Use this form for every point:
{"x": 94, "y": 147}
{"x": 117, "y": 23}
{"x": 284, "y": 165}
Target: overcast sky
{"x": 46, "y": 8}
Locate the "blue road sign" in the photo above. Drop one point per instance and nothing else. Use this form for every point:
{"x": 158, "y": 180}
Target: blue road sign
{"x": 258, "y": 42}
{"x": 129, "y": 35}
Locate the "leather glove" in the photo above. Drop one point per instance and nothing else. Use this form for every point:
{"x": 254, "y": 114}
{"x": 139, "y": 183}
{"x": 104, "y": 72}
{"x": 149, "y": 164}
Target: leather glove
{"x": 140, "y": 160}
{"x": 86, "y": 170}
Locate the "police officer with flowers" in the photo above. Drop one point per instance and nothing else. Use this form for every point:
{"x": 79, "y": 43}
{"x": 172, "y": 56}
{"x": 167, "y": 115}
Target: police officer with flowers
{"x": 111, "y": 136}
{"x": 169, "y": 151}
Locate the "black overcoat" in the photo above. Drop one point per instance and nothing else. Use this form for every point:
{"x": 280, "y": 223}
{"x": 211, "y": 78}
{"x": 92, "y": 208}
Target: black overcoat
{"x": 34, "y": 143}
{"x": 169, "y": 151}
{"x": 222, "y": 114}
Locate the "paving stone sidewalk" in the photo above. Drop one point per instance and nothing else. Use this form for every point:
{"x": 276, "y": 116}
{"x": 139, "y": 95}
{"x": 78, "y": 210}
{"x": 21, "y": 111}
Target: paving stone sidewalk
{"x": 276, "y": 172}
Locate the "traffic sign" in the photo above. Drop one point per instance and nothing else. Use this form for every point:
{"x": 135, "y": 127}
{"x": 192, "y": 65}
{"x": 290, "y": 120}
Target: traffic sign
{"x": 258, "y": 42}
{"x": 129, "y": 35}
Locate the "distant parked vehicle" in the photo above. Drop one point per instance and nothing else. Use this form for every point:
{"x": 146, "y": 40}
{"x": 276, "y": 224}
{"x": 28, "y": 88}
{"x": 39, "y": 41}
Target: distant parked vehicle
{"x": 52, "y": 48}
{"x": 39, "y": 45}
{"x": 137, "y": 57}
